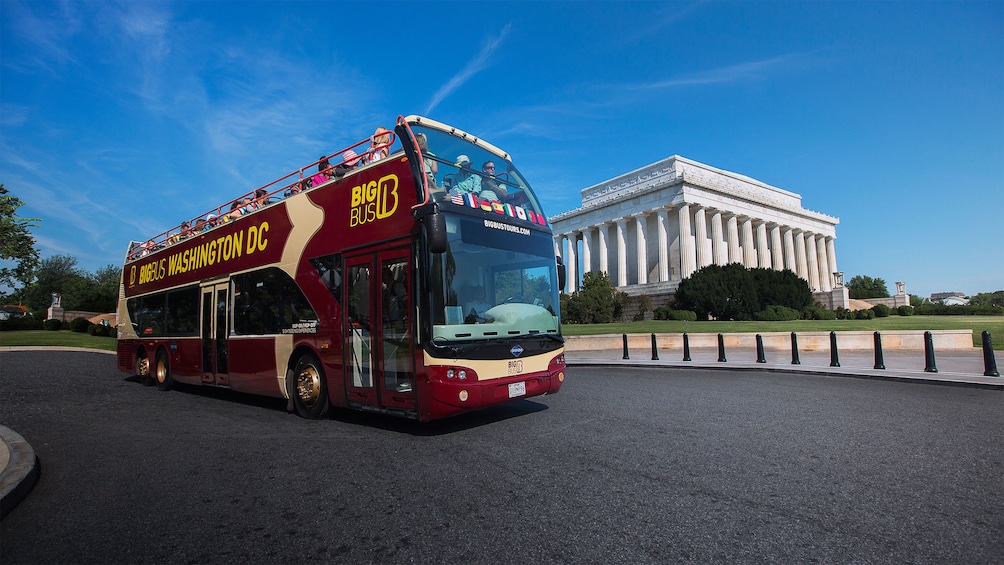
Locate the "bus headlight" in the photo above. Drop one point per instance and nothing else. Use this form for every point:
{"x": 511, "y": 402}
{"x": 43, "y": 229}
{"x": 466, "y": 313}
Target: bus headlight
{"x": 462, "y": 374}
{"x": 450, "y": 373}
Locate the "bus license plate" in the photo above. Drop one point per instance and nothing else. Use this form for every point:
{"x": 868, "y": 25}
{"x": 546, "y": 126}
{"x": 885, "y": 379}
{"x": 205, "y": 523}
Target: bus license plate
{"x": 517, "y": 389}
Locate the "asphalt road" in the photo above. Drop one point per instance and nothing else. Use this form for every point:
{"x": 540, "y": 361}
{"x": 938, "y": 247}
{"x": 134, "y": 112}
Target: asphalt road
{"x": 623, "y": 466}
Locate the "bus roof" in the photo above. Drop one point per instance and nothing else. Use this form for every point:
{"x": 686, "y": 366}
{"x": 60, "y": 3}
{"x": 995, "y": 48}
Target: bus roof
{"x": 430, "y": 123}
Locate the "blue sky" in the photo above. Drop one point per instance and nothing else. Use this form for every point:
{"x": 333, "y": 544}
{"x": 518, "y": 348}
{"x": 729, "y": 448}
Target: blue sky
{"x": 120, "y": 119}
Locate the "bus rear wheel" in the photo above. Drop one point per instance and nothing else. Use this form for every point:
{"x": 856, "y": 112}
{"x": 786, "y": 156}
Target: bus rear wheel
{"x": 309, "y": 388}
{"x": 162, "y": 372}
{"x": 143, "y": 369}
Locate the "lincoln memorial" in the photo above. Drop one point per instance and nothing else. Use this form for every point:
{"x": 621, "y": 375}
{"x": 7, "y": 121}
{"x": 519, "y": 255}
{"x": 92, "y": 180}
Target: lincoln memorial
{"x": 655, "y": 226}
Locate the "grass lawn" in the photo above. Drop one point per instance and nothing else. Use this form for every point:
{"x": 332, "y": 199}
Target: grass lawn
{"x": 977, "y": 324}
{"x": 61, "y": 338}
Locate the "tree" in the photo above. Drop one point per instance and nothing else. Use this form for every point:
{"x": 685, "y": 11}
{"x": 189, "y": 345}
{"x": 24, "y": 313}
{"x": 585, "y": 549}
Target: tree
{"x": 16, "y": 242}
{"x": 595, "y": 302}
{"x": 781, "y": 288}
{"x": 734, "y": 292}
{"x": 995, "y": 299}
{"x": 80, "y": 290}
{"x": 863, "y": 286}
{"x": 56, "y": 274}
{"x": 725, "y": 293}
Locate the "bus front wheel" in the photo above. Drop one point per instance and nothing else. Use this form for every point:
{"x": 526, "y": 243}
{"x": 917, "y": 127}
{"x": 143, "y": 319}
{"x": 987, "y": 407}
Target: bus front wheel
{"x": 309, "y": 388}
{"x": 162, "y": 372}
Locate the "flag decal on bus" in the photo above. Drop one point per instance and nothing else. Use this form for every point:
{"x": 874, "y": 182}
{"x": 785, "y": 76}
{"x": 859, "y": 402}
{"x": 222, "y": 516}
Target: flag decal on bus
{"x": 516, "y": 350}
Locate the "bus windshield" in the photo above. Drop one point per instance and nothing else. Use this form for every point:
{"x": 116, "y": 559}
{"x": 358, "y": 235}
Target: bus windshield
{"x": 457, "y": 166}
{"x": 493, "y": 282}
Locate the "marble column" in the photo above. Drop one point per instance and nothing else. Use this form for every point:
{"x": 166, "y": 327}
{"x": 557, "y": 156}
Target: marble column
{"x": 587, "y": 243}
{"x": 604, "y": 248}
{"x": 749, "y": 252}
{"x": 688, "y": 255}
{"x": 812, "y": 262}
{"x": 776, "y": 253}
{"x": 662, "y": 216}
{"x": 801, "y": 263}
{"x": 701, "y": 238}
{"x": 735, "y": 252}
{"x": 763, "y": 251}
{"x": 825, "y": 275}
{"x": 789, "y": 250}
{"x": 831, "y": 254}
{"x": 718, "y": 249}
{"x": 571, "y": 262}
{"x": 641, "y": 242}
{"x": 621, "y": 251}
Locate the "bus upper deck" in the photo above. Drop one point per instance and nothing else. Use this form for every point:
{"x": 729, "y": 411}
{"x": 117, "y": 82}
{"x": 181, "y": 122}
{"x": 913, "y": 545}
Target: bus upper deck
{"x": 464, "y": 171}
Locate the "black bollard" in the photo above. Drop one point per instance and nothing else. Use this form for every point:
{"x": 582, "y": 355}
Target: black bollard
{"x": 686, "y": 347}
{"x": 794, "y": 350}
{"x": 879, "y": 360}
{"x": 834, "y": 357}
{"x": 721, "y": 348}
{"x": 655, "y": 349}
{"x": 989, "y": 362}
{"x": 760, "y": 357}
{"x": 929, "y": 364}
{"x": 625, "y": 347}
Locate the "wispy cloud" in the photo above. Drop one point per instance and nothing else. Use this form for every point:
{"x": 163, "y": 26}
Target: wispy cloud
{"x": 750, "y": 71}
{"x": 477, "y": 64}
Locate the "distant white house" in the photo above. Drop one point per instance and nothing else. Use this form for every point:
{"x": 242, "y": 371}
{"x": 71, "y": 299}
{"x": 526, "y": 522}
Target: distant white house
{"x": 950, "y": 298}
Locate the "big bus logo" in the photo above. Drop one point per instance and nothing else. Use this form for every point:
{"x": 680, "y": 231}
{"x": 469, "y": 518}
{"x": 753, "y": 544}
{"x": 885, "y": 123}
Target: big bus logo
{"x": 373, "y": 201}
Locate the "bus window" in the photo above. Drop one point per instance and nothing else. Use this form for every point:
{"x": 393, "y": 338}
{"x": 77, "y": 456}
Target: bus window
{"x": 182, "y": 312}
{"x": 329, "y": 268}
{"x": 147, "y": 314}
{"x": 360, "y": 329}
{"x": 269, "y": 302}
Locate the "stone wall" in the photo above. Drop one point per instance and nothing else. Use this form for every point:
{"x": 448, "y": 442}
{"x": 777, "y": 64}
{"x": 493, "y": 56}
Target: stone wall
{"x": 807, "y": 341}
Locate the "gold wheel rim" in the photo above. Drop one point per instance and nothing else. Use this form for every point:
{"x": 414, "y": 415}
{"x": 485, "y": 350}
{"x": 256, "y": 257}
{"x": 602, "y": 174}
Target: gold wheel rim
{"x": 143, "y": 367}
{"x": 308, "y": 385}
{"x": 161, "y": 371}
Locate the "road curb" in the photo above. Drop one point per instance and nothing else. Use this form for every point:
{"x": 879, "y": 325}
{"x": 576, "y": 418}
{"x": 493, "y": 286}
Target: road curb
{"x": 943, "y": 379}
{"x": 20, "y": 473}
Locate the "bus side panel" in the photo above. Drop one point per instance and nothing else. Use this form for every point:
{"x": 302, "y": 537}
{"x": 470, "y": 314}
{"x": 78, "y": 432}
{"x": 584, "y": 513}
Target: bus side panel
{"x": 126, "y": 355}
{"x": 253, "y": 366}
{"x": 186, "y": 359}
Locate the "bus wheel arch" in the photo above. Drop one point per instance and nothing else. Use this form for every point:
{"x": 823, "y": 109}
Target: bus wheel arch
{"x": 162, "y": 370}
{"x": 142, "y": 367}
{"x": 307, "y": 385}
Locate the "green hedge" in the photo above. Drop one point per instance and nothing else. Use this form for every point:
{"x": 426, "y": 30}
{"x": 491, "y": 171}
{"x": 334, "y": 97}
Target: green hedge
{"x": 667, "y": 313}
{"x": 20, "y": 324}
{"x": 79, "y": 325}
{"x": 52, "y": 325}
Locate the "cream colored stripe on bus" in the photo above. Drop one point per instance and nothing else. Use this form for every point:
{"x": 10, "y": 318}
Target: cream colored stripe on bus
{"x": 484, "y": 367}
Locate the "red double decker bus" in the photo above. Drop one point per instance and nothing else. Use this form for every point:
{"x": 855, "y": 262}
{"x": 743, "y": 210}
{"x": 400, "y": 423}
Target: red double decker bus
{"x": 415, "y": 277}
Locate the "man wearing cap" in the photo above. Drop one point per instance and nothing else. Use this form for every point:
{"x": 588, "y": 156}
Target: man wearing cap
{"x": 465, "y": 179}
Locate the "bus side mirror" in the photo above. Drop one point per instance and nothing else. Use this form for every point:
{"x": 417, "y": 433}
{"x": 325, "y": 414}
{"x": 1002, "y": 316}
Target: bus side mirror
{"x": 562, "y": 275}
{"x": 435, "y": 232}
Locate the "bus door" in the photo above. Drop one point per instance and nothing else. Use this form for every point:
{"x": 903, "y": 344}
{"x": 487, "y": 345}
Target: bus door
{"x": 215, "y": 329}
{"x": 379, "y": 334}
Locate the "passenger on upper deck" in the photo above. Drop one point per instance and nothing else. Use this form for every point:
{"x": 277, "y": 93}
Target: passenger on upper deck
{"x": 349, "y": 162}
{"x": 380, "y": 137}
{"x": 466, "y": 180}
{"x": 488, "y": 184}
{"x": 324, "y": 172}
{"x": 431, "y": 166}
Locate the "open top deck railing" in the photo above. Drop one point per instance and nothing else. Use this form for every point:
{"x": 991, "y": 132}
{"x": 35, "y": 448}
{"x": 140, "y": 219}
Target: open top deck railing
{"x": 340, "y": 163}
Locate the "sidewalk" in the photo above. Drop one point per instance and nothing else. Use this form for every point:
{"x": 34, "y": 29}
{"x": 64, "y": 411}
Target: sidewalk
{"x": 956, "y": 367}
